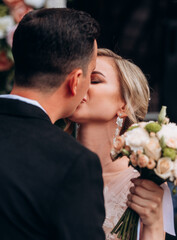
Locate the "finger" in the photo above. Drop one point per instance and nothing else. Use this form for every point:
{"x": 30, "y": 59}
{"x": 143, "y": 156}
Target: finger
{"x": 147, "y": 184}
{"x": 145, "y": 194}
{"x": 140, "y": 201}
{"x": 141, "y": 211}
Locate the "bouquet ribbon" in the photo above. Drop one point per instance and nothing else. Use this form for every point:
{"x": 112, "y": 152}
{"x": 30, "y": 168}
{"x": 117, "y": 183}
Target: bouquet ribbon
{"x": 168, "y": 215}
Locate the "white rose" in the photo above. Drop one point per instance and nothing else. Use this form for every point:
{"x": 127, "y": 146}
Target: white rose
{"x": 143, "y": 124}
{"x": 6, "y": 23}
{"x": 153, "y": 149}
{"x": 169, "y": 132}
{"x": 136, "y": 138}
{"x": 56, "y": 4}
{"x": 35, "y": 3}
{"x": 164, "y": 168}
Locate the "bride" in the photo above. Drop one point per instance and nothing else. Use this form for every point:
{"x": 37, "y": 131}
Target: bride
{"x": 119, "y": 89}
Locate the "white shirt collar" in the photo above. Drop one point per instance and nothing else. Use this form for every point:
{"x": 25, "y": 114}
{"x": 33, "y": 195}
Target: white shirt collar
{"x": 23, "y": 99}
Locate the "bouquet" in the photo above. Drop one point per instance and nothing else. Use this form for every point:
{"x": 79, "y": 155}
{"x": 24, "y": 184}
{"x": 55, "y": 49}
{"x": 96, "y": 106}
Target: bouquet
{"x": 152, "y": 150}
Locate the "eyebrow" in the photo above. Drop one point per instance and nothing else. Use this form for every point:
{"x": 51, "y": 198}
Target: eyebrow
{"x": 96, "y": 72}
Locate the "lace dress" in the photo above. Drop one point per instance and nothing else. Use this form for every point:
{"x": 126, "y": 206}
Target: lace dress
{"x": 117, "y": 185}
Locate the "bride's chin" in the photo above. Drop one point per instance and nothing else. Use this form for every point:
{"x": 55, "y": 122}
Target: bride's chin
{"x": 78, "y": 119}
{"x": 74, "y": 117}
{"x": 78, "y": 115}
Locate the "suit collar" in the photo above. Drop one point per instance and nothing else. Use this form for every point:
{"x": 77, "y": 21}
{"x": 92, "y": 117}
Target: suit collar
{"x": 23, "y": 99}
{"x": 21, "y": 109}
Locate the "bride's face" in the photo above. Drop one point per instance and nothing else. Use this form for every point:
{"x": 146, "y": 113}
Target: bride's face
{"x": 103, "y": 99}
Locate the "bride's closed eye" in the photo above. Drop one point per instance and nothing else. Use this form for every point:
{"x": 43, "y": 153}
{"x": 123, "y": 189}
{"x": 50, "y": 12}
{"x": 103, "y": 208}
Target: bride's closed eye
{"x": 96, "y": 79}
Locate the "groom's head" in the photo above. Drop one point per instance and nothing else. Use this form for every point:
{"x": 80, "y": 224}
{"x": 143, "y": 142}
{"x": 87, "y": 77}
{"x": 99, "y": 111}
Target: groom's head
{"x": 49, "y": 44}
{"x": 55, "y": 53}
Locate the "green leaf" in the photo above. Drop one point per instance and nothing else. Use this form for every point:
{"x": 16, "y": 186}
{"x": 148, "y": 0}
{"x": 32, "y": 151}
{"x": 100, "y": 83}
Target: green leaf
{"x": 132, "y": 127}
{"x": 162, "y": 115}
{"x": 153, "y": 127}
{"x": 125, "y": 152}
{"x": 169, "y": 152}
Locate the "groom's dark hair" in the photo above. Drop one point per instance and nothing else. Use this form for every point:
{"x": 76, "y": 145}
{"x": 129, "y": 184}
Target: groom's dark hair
{"x": 49, "y": 43}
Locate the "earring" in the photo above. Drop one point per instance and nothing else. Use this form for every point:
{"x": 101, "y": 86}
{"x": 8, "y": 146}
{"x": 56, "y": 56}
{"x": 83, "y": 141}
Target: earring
{"x": 119, "y": 123}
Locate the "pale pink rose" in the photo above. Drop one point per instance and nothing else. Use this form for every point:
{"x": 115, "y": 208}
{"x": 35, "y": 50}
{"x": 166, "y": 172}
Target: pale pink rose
{"x": 172, "y": 142}
{"x": 119, "y": 143}
{"x": 151, "y": 164}
{"x": 19, "y": 11}
{"x": 5, "y": 62}
{"x": 153, "y": 149}
{"x": 142, "y": 160}
{"x": 164, "y": 168}
{"x": 133, "y": 159}
{"x": 139, "y": 152}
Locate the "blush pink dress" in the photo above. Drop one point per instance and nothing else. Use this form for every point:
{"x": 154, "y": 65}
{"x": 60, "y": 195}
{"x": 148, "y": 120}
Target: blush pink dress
{"x": 116, "y": 189}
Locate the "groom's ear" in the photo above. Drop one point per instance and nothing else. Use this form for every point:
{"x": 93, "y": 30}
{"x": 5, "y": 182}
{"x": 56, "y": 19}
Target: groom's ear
{"x": 73, "y": 80}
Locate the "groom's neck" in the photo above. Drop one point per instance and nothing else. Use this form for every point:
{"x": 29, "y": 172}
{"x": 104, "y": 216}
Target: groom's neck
{"x": 50, "y": 101}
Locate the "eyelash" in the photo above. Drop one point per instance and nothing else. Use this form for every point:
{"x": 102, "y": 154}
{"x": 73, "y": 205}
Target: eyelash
{"x": 95, "y": 81}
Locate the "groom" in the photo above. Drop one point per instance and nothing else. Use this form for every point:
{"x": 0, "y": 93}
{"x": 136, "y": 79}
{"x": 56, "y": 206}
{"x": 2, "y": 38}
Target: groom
{"x": 50, "y": 186}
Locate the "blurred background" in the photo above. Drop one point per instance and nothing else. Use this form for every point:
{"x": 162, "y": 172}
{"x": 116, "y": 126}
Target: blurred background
{"x": 144, "y": 31}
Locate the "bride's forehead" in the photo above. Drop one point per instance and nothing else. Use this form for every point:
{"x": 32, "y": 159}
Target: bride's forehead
{"x": 103, "y": 61}
{"x": 106, "y": 66}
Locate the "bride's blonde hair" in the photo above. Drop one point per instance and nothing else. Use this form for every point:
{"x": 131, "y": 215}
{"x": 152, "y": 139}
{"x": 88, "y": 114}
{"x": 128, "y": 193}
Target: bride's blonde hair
{"x": 134, "y": 87}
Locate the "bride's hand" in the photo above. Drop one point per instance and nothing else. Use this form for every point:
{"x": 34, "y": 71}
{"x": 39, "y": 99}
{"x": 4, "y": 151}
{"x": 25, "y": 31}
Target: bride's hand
{"x": 145, "y": 198}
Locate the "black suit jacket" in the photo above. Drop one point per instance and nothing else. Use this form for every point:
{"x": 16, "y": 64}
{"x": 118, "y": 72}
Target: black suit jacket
{"x": 50, "y": 186}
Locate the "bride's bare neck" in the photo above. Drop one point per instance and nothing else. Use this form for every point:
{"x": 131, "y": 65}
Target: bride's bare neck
{"x": 98, "y": 137}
